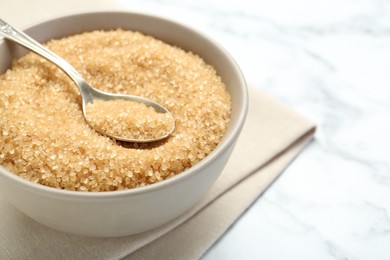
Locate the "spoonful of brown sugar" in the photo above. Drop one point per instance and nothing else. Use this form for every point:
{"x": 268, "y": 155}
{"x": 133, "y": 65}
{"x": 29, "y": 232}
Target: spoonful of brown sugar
{"x": 129, "y": 120}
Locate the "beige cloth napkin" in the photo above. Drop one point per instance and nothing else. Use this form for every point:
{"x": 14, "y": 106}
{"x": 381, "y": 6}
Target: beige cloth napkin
{"x": 272, "y": 136}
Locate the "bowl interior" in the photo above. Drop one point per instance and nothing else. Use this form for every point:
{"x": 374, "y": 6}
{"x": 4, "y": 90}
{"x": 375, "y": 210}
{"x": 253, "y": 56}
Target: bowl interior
{"x": 165, "y": 30}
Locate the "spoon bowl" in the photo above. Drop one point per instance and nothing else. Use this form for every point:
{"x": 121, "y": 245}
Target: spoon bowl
{"x": 87, "y": 92}
{"x": 90, "y": 94}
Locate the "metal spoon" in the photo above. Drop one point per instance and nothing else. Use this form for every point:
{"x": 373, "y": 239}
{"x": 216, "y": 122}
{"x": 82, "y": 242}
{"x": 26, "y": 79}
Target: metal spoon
{"x": 88, "y": 93}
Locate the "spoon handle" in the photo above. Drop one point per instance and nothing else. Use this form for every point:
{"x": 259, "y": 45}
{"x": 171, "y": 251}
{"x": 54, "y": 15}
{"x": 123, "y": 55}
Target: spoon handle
{"x": 13, "y": 34}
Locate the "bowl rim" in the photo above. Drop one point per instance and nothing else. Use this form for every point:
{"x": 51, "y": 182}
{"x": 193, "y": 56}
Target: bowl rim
{"x": 227, "y": 141}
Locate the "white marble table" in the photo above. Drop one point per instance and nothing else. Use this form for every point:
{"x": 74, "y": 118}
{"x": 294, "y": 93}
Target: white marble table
{"x": 328, "y": 60}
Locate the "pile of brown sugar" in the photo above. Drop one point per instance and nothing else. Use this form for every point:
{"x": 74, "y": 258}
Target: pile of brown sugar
{"x": 128, "y": 119}
{"x": 45, "y": 139}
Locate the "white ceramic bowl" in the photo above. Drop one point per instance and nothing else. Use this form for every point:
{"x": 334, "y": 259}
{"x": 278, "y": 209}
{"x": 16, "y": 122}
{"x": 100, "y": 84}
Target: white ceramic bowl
{"x": 120, "y": 213}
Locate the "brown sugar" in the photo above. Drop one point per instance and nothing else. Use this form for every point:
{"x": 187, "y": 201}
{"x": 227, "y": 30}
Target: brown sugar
{"x": 128, "y": 119}
{"x": 45, "y": 139}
